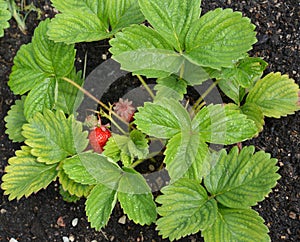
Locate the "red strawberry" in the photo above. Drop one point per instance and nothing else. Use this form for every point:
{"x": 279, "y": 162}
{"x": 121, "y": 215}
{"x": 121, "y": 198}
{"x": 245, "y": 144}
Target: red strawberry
{"x": 98, "y": 138}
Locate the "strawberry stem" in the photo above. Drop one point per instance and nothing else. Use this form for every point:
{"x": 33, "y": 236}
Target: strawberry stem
{"x": 146, "y": 86}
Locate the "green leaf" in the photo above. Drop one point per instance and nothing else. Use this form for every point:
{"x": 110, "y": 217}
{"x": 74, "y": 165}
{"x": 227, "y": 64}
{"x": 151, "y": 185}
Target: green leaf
{"x": 40, "y": 60}
{"x": 41, "y": 97}
{"x": 66, "y": 196}
{"x": 237, "y": 225}
{"x": 73, "y": 188}
{"x": 24, "y": 175}
{"x": 275, "y": 94}
{"x": 53, "y": 137}
{"x": 163, "y": 119}
{"x": 101, "y": 168}
{"x": 76, "y": 170}
{"x": 219, "y": 38}
{"x": 171, "y": 19}
{"x": 136, "y": 198}
{"x": 232, "y": 89}
{"x": 254, "y": 113}
{"x": 193, "y": 74}
{"x": 185, "y": 156}
{"x": 69, "y": 97}
{"x": 170, "y": 87}
{"x": 240, "y": 180}
{"x": 15, "y": 120}
{"x": 99, "y": 205}
{"x": 87, "y": 21}
{"x": 115, "y": 145}
{"x": 186, "y": 209}
{"x": 149, "y": 52}
{"x": 5, "y": 15}
{"x": 223, "y": 124}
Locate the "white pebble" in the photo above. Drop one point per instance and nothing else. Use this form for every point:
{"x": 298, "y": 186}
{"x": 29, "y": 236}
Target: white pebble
{"x": 65, "y": 239}
{"x": 13, "y": 240}
{"x": 3, "y": 211}
{"x": 71, "y": 238}
{"x": 74, "y": 222}
{"x": 122, "y": 220}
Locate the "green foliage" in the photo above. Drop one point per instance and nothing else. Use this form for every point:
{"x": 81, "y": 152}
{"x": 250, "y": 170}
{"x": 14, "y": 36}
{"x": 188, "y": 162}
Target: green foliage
{"x": 15, "y": 120}
{"x": 209, "y": 191}
{"x": 235, "y": 182}
{"x": 86, "y": 20}
{"x": 5, "y": 15}
{"x": 24, "y": 175}
{"x": 53, "y": 137}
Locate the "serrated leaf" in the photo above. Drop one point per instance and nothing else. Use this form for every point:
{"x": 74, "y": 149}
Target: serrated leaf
{"x": 115, "y": 145}
{"x": 76, "y": 170}
{"x": 5, "y": 15}
{"x": 240, "y": 180}
{"x": 41, "y": 97}
{"x": 149, "y": 52}
{"x": 232, "y": 89}
{"x": 39, "y": 60}
{"x": 275, "y": 94}
{"x": 53, "y": 137}
{"x": 171, "y": 19}
{"x": 193, "y": 74}
{"x": 15, "y": 120}
{"x": 138, "y": 147}
{"x": 186, "y": 209}
{"x": 237, "y": 225}
{"x": 101, "y": 168}
{"x": 254, "y": 112}
{"x": 219, "y": 38}
{"x": 74, "y": 188}
{"x": 223, "y": 124}
{"x": 185, "y": 156}
{"x": 66, "y": 196}
{"x": 92, "y": 20}
{"x": 24, "y": 175}
{"x": 99, "y": 205}
{"x": 170, "y": 87}
{"x": 136, "y": 198}
{"x": 162, "y": 120}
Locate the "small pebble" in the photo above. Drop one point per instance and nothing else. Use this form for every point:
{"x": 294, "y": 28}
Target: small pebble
{"x": 65, "y": 239}
{"x": 292, "y": 215}
{"x": 71, "y": 238}
{"x": 3, "y": 211}
{"x": 13, "y": 240}
{"x": 122, "y": 220}
{"x": 74, "y": 222}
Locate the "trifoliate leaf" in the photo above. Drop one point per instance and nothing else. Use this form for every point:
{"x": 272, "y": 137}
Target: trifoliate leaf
{"x": 171, "y": 19}
{"x": 76, "y": 170}
{"x": 24, "y": 175}
{"x": 136, "y": 198}
{"x": 163, "y": 119}
{"x": 185, "y": 156}
{"x": 15, "y": 120}
{"x": 170, "y": 87}
{"x": 5, "y": 15}
{"x": 237, "y": 225}
{"x": 100, "y": 167}
{"x": 219, "y": 38}
{"x": 275, "y": 94}
{"x": 74, "y": 188}
{"x": 223, "y": 124}
{"x": 87, "y": 21}
{"x": 99, "y": 205}
{"x": 240, "y": 180}
{"x": 39, "y": 60}
{"x": 53, "y": 137}
{"x": 186, "y": 209}
{"x": 254, "y": 112}
{"x": 148, "y": 52}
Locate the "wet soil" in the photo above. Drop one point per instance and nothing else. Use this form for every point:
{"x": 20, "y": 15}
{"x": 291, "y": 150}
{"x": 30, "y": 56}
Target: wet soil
{"x": 35, "y": 218}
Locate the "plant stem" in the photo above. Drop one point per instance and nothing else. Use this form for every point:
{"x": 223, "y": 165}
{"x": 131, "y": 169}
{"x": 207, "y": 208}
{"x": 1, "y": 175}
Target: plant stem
{"x": 13, "y": 9}
{"x": 134, "y": 164}
{"x": 103, "y": 105}
{"x": 146, "y": 86}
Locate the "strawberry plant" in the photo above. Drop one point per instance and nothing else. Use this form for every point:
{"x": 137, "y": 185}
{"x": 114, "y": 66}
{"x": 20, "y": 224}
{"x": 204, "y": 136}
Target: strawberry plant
{"x": 209, "y": 189}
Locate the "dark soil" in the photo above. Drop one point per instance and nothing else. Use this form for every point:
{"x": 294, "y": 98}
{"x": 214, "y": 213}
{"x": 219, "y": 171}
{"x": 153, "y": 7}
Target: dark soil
{"x": 35, "y": 218}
